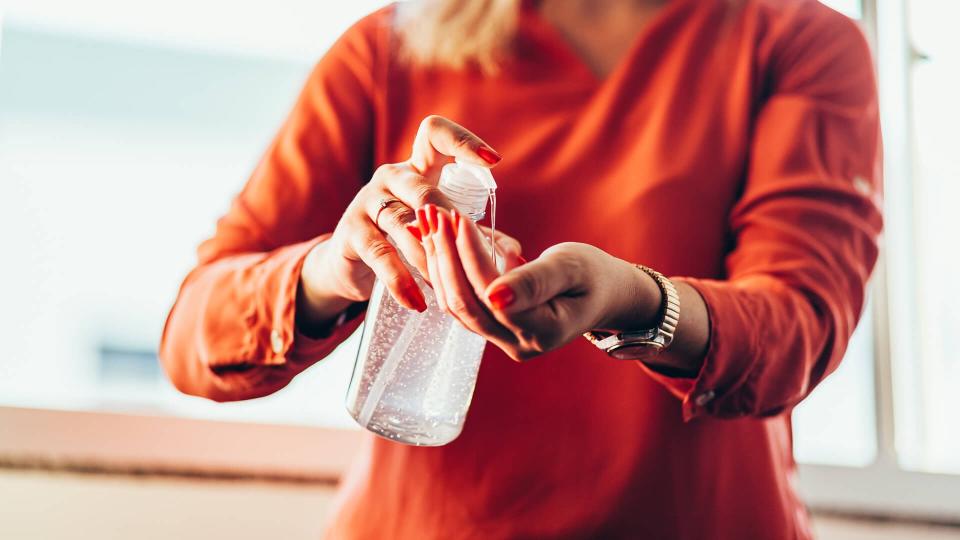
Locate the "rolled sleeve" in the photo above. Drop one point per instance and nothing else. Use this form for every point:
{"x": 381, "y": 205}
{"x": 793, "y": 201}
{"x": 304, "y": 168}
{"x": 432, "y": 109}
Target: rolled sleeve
{"x": 231, "y": 333}
{"x": 805, "y": 232}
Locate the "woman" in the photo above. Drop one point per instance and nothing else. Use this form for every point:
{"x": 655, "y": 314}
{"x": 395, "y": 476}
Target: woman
{"x": 730, "y": 145}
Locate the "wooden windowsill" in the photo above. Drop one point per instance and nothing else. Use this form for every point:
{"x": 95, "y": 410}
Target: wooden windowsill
{"x": 144, "y": 445}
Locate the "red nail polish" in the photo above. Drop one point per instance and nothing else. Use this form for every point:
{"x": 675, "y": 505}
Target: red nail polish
{"x": 414, "y": 231}
{"x": 441, "y": 219}
{"x": 501, "y": 297}
{"x": 488, "y": 155}
{"x": 415, "y": 297}
{"x": 422, "y": 222}
{"x": 456, "y": 221}
{"x": 433, "y": 218}
{"x": 448, "y": 225}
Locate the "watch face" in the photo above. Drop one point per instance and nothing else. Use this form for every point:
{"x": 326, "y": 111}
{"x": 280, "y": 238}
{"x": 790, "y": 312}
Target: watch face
{"x": 633, "y": 352}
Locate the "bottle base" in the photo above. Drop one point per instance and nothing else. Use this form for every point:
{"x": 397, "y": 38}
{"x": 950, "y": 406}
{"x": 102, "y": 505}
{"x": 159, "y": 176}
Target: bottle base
{"x": 413, "y": 433}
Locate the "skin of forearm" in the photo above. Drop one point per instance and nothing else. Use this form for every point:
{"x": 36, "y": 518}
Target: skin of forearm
{"x": 317, "y": 303}
{"x": 639, "y": 309}
{"x": 692, "y": 337}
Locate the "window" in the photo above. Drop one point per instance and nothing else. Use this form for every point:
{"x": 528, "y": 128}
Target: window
{"x": 850, "y": 8}
{"x": 911, "y": 465}
{"x": 836, "y": 424}
{"x": 927, "y": 380}
{"x": 126, "y": 129}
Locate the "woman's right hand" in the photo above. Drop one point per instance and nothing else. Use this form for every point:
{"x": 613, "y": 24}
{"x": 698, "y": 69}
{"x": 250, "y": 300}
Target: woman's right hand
{"x": 341, "y": 270}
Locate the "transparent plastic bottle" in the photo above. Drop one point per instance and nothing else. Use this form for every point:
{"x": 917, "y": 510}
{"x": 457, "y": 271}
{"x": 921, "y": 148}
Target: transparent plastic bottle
{"x": 415, "y": 372}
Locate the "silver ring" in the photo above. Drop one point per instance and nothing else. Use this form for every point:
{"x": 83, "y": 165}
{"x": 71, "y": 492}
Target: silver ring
{"x": 383, "y": 204}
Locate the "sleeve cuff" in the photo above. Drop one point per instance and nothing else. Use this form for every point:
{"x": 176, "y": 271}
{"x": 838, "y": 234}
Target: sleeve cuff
{"x": 307, "y": 350}
{"x": 721, "y": 387}
{"x": 287, "y": 343}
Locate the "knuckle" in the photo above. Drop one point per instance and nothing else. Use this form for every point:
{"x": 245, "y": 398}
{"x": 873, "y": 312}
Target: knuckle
{"x": 514, "y": 352}
{"x": 509, "y": 243}
{"x": 458, "y": 306}
{"x": 568, "y": 258}
{"x": 381, "y": 171}
{"x": 379, "y": 249}
{"x": 353, "y": 218}
{"x": 432, "y": 121}
{"x": 357, "y": 230}
{"x": 385, "y": 172}
{"x": 564, "y": 249}
{"x": 393, "y": 280}
{"x": 401, "y": 216}
{"x": 529, "y": 341}
{"x": 427, "y": 193}
{"x": 462, "y": 138}
{"x": 536, "y": 343}
{"x": 522, "y": 355}
{"x": 530, "y": 285}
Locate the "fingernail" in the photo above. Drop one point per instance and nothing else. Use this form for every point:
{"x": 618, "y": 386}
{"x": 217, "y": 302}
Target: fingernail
{"x": 448, "y": 225}
{"x": 432, "y": 215}
{"x": 414, "y": 231}
{"x": 501, "y": 297}
{"x": 456, "y": 221}
{"x": 489, "y": 155}
{"x": 415, "y": 297}
{"x": 422, "y": 222}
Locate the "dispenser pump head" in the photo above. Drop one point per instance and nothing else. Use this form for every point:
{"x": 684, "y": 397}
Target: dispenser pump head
{"x": 468, "y": 187}
{"x": 479, "y": 174}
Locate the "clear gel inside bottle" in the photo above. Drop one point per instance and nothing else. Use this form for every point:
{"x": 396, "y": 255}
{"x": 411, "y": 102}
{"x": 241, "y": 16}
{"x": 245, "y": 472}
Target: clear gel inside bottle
{"x": 415, "y": 372}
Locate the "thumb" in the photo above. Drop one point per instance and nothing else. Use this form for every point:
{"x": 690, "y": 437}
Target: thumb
{"x": 530, "y": 285}
{"x": 439, "y": 140}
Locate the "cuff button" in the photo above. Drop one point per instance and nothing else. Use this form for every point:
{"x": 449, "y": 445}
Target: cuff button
{"x": 276, "y": 341}
{"x": 705, "y": 398}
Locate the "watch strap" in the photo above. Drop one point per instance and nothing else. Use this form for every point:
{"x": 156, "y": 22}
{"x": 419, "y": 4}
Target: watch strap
{"x": 648, "y": 342}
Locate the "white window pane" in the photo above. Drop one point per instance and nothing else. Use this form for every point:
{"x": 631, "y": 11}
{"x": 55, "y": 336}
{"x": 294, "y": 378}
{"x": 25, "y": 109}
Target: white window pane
{"x": 116, "y": 158}
{"x": 294, "y": 29}
{"x": 836, "y": 424}
{"x": 850, "y": 8}
{"x": 927, "y": 404}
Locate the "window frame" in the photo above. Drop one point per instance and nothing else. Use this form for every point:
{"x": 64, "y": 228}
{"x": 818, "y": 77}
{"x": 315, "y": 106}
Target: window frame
{"x": 885, "y": 488}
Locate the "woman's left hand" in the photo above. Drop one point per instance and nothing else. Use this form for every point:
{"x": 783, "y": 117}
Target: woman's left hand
{"x": 538, "y": 306}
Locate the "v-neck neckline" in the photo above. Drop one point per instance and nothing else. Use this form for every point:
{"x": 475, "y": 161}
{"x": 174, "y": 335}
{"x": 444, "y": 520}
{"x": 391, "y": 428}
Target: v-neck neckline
{"x": 564, "y": 49}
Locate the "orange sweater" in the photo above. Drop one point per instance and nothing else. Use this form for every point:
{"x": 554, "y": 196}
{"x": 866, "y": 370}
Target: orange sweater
{"x": 736, "y": 148}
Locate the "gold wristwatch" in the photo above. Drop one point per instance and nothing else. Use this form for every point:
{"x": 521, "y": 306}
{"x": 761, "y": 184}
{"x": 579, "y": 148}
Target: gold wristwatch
{"x": 644, "y": 344}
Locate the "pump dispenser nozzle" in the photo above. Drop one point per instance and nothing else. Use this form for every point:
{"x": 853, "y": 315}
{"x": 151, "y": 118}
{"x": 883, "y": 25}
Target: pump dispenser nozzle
{"x": 468, "y": 187}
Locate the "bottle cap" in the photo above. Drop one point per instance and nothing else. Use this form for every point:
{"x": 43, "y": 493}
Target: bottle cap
{"x": 480, "y": 174}
{"x": 468, "y": 187}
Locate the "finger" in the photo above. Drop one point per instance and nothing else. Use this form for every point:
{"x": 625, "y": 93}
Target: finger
{"x": 534, "y": 283}
{"x": 395, "y": 220}
{"x": 544, "y": 327}
{"x": 475, "y": 257}
{"x": 422, "y": 234}
{"x": 439, "y": 140}
{"x": 425, "y": 215}
{"x": 411, "y": 187}
{"x": 508, "y": 248}
{"x": 461, "y": 299}
{"x": 377, "y": 253}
